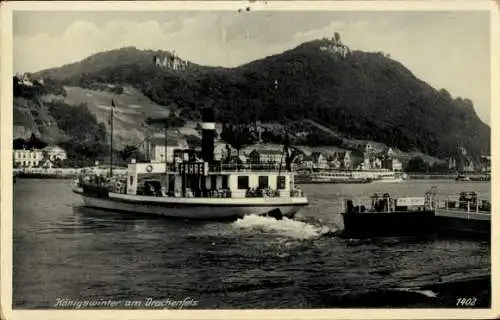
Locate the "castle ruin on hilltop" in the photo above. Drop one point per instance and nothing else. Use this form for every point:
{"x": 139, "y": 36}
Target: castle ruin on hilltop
{"x": 335, "y": 46}
{"x": 169, "y": 61}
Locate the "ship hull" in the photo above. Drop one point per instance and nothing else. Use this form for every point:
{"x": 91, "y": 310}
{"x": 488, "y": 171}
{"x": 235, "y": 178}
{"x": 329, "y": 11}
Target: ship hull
{"x": 395, "y": 180}
{"x": 389, "y": 224}
{"x": 312, "y": 179}
{"x": 350, "y": 181}
{"x": 455, "y": 223}
{"x": 194, "y": 208}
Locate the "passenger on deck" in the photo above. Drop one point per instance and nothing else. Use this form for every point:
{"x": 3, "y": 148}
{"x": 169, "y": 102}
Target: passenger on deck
{"x": 375, "y": 201}
{"x": 349, "y": 206}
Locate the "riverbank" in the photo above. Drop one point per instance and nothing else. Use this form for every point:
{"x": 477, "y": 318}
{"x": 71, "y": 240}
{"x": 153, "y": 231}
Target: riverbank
{"x": 60, "y": 173}
{"x": 430, "y": 176}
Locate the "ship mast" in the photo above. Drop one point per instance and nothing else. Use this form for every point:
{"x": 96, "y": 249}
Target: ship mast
{"x": 286, "y": 140}
{"x": 111, "y": 139}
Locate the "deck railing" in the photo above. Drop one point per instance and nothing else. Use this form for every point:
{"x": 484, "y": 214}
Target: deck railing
{"x": 470, "y": 207}
{"x": 384, "y": 204}
{"x": 220, "y": 167}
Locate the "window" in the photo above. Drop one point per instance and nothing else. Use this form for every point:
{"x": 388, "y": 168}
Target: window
{"x": 213, "y": 182}
{"x": 281, "y": 183}
{"x": 263, "y": 182}
{"x": 242, "y": 182}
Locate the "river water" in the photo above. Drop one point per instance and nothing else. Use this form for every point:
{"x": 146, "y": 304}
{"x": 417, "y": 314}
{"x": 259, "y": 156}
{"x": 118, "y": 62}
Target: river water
{"x": 64, "y": 251}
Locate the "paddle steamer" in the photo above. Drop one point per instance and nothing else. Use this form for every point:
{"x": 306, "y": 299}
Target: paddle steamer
{"x": 197, "y": 187}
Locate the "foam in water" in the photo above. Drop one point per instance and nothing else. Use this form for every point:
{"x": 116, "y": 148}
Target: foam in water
{"x": 285, "y": 227}
{"x": 427, "y": 293}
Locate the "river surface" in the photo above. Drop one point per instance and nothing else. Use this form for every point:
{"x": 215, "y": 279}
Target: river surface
{"x": 64, "y": 251}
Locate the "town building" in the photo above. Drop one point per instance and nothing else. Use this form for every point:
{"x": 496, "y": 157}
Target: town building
{"x": 344, "y": 158}
{"x": 334, "y": 163}
{"x": 392, "y": 164}
{"x": 24, "y": 80}
{"x": 486, "y": 163}
{"x": 27, "y": 158}
{"x": 155, "y": 146}
{"x": 371, "y": 162}
{"x": 266, "y": 156}
{"x": 320, "y": 161}
{"x": 223, "y": 150}
{"x": 54, "y": 153}
{"x": 307, "y": 162}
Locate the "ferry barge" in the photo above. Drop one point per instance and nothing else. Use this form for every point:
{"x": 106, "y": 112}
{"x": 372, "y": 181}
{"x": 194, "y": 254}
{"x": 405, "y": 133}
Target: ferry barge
{"x": 467, "y": 217}
{"x": 196, "y": 187}
{"x": 388, "y": 217}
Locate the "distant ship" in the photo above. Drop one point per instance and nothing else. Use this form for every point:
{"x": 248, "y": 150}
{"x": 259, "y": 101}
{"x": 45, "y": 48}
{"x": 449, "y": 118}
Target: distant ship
{"x": 197, "y": 188}
{"x": 395, "y": 178}
{"x": 462, "y": 177}
{"x": 333, "y": 176}
{"x": 481, "y": 178}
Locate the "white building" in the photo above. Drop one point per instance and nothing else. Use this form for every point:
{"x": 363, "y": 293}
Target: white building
{"x": 157, "y": 147}
{"x": 54, "y": 152}
{"x": 222, "y": 150}
{"x": 28, "y": 158}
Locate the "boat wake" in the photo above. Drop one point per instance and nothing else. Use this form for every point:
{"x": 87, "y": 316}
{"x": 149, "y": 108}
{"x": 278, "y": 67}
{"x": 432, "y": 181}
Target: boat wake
{"x": 427, "y": 293}
{"x": 285, "y": 227}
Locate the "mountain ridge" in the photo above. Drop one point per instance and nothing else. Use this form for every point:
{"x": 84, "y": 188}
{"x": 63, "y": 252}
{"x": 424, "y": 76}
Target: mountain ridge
{"x": 362, "y": 95}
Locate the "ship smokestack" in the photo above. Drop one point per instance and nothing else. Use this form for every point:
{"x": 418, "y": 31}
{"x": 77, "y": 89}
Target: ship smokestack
{"x": 208, "y": 134}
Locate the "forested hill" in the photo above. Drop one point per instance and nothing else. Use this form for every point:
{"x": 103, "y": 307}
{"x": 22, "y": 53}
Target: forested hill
{"x": 359, "y": 95}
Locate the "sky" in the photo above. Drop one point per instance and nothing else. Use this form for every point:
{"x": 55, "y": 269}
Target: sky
{"x": 447, "y": 49}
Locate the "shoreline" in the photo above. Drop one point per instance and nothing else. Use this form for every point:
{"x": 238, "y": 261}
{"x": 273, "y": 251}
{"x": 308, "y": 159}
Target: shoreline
{"x": 423, "y": 176}
{"x": 71, "y": 173}
{"x": 67, "y": 176}
{"x": 60, "y": 173}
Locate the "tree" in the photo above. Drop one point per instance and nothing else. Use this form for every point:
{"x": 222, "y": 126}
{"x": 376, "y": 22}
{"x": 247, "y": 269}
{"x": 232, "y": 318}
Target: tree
{"x": 35, "y": 143}
{"x": 417, "y": 164}
{"x": 57, "y": 163}
{"x": 439, "y": 167}
{"x": 19, "y": 143}
{"x": 193, "y": 141}
{"x": 128, "y": 152}
{"x": 237, "y": 136}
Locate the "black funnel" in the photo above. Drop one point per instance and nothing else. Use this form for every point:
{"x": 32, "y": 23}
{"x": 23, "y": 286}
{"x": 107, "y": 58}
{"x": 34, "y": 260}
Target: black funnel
{"x": 208, "y": 134}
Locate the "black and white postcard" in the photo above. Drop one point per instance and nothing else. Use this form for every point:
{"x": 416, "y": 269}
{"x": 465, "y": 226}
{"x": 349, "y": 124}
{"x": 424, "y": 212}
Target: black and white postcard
{"x": 248, "y": 159}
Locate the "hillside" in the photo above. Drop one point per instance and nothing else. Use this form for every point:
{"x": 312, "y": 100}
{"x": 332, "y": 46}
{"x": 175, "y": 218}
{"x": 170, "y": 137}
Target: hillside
{"x": 111, "y": 59}
{"x": 132, "y": 109}
{"x": 130, "y": 113}
{"x": 358, "y": 95}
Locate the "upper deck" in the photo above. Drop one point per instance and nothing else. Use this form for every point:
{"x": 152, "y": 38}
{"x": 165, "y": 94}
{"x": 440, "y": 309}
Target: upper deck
{"x": 208, "y": 169}
{"x": 204, "y": 178}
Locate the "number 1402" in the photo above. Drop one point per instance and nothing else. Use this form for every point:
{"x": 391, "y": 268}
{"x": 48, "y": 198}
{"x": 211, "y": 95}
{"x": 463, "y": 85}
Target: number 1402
{"x": 466, "y": 302}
